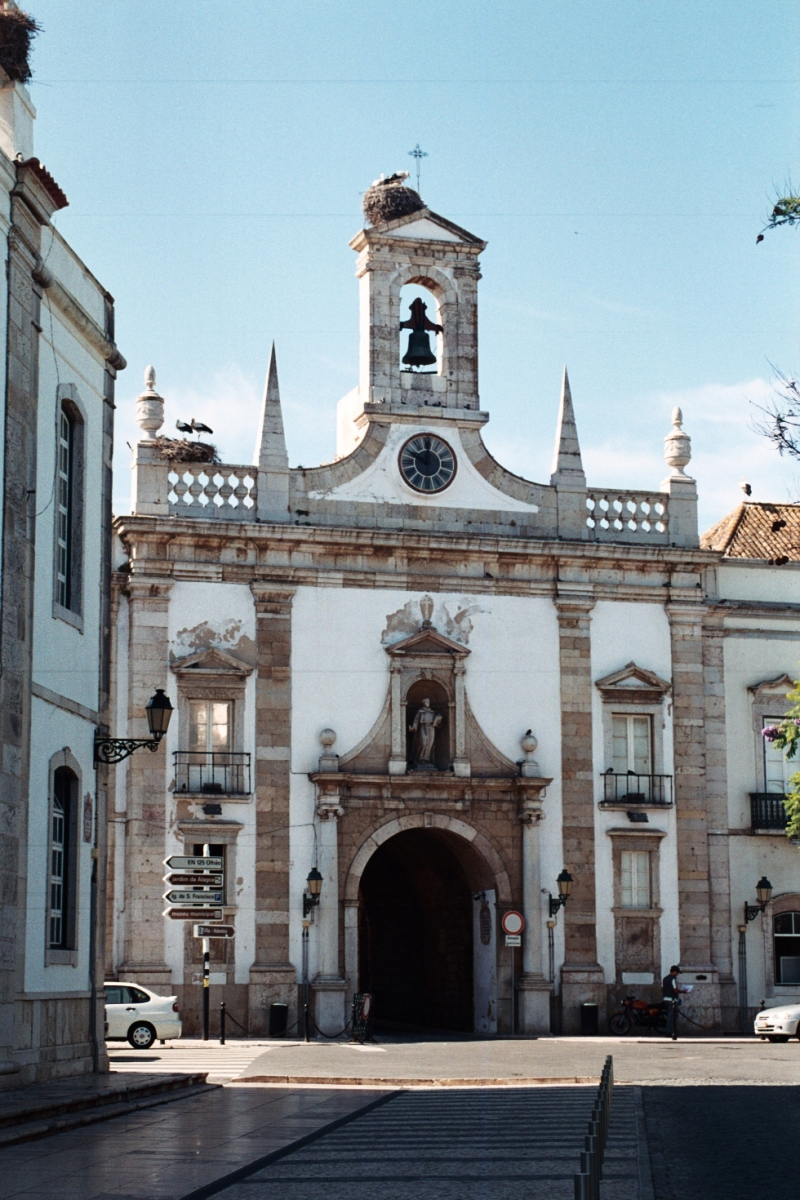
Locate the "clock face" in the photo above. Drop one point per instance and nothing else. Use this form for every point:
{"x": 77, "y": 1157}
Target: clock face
{"x": 427, "y": 464}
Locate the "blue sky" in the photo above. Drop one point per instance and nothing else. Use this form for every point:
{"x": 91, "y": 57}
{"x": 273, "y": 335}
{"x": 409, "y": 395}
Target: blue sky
{"x": 619, "y": 158}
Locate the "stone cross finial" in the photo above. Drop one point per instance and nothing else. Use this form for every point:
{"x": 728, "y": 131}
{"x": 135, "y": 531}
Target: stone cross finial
{"x": 150, "y": 406}
{"x": 426, "y": 608}
{"x": 677, "y": 445}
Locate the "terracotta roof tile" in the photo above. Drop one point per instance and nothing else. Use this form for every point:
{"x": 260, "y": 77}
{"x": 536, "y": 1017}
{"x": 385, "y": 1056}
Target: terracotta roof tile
{"x": 757, "y": 530}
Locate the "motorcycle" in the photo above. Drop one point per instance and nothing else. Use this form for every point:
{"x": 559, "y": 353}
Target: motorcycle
{"x": 638, "y": 1013}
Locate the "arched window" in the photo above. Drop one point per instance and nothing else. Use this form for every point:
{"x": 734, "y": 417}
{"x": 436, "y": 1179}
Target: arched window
{"x": 62, "y": 861}
{"x": 786, "y": 943}
{"x": 68, "y": 508}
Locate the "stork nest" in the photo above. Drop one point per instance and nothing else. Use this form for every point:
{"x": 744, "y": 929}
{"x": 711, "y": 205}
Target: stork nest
{"x": 179, "y": 450}
{"x": 17, "y": 31}
{"x": 388, "y": 199}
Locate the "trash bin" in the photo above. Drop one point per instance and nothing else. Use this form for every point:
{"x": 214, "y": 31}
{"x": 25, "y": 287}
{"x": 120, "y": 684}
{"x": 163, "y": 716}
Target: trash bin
{"x": 589, "y": 1019}
{"x": 279, "y": 1015}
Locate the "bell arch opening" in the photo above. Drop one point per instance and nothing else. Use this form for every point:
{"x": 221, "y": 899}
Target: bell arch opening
{"x": 426, "y": 948}
{"x": 421, "y": 329}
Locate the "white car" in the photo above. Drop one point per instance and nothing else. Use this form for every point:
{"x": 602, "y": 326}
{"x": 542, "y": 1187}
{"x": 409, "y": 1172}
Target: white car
{"x": 136, "y": 1013}
{"x": 779, "y": 1024}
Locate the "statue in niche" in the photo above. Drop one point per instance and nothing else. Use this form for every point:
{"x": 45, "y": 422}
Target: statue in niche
{"x": 424, "y": 727}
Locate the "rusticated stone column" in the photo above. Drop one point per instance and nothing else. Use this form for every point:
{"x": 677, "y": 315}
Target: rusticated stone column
{"x": 533, "y": 989}
{"x": 272, "y": 976}
{"x": 691, "y": 809}
{"x": 581, "y": 975}
{"x": 148, "y": 655}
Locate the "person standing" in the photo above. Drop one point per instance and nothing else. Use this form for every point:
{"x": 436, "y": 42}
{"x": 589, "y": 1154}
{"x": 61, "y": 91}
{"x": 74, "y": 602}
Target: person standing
{"x": 670, "y": 991}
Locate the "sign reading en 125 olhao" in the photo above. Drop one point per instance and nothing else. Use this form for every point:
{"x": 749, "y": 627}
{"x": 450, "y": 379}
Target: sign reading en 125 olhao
{"x": 513, "y": 922}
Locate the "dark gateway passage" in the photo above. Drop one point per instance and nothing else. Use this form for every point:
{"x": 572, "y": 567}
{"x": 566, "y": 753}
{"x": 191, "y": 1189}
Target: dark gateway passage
{"x": 415, "y": 934}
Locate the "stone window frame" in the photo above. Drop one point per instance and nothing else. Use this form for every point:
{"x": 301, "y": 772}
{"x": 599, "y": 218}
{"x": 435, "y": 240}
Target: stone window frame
{"x": 66, "y": 956}
{"x": 638, "y": 839}
{"x": 645, "y": 698}
{"x": 214, "y": 675}
{"x": 784, "y": 902}
{"x": 68, "y": 400}
{"x": 768, "y": 699}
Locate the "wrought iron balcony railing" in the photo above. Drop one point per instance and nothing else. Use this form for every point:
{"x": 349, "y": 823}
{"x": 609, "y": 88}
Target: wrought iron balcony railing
{"x": 212, "y": 773}
{"x": 767, "y": 810}
{"x": 637, "y": 790}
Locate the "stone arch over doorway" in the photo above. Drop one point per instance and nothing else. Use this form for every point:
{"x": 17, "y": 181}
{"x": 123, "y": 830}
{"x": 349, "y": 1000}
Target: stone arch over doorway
{"x": 417, "y": 898}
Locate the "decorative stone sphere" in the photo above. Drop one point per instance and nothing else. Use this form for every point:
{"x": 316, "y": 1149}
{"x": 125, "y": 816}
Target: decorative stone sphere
{"x": 677, "y": 445}
{"x": 150, "y": 406}
{"x": 388, "y": 199}
{"x": 529, "y": 743}
{"x": 327, "y": 737}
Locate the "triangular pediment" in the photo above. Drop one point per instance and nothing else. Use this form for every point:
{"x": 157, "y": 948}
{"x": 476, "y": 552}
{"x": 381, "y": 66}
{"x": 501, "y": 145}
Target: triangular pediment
{"x": 426, "y": 641}
{"x": 430, "y": 227}
{"x": 212, "y": 662}
{"x": 780, "y": 686}
{"x": 633, "y": 678}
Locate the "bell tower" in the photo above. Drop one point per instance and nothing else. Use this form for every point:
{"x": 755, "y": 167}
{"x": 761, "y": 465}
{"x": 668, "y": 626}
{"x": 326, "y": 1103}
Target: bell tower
{"x": 405, "y": 243}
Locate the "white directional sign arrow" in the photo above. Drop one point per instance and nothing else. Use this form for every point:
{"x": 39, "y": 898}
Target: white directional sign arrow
{"x": 189, "y": 896}
{"x": 180, "y": 862}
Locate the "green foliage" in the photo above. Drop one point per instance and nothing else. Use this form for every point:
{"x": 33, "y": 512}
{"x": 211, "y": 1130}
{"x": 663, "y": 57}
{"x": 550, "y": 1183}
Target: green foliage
{"x": 786, "y": 211}
{"x": 786, "y": 736}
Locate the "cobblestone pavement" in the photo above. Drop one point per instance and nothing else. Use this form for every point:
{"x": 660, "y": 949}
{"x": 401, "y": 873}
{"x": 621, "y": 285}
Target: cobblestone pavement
{"x": 470, "y": 1144}
{"x": 723, "y": 1143}
{"x": 646, "y": 1060}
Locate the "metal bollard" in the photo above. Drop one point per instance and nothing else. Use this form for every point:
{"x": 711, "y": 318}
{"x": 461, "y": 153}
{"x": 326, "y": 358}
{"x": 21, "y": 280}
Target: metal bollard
{"x": 583, "y": 1187}
{"x": 222, "y": 1024}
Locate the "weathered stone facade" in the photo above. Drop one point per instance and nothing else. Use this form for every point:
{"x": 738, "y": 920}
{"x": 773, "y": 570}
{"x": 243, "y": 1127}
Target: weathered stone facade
{"x": 337, "y": 603}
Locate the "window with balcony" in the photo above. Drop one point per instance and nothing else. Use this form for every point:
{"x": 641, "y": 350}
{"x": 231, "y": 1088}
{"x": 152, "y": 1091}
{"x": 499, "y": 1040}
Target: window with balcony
{"x": 209, "y": 766}
{"x": 633, "y": 738}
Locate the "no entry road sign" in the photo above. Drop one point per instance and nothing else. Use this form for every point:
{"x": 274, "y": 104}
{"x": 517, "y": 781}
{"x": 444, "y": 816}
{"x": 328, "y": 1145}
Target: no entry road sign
{"x": 193, "y": 914}
{"x": 513, "y": 922}
{"x": 193, "y": 896}
{"x": 185, "y": 879}
{"x": 180, "y": 862}
{"x": 214, "y": 931}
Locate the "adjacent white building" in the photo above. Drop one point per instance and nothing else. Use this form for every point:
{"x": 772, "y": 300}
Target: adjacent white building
{"x": 56, "y": 409}
{"x": 440, "y": 685}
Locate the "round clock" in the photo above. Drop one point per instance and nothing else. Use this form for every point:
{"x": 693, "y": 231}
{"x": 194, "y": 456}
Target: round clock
{"x": 427, "y": 464}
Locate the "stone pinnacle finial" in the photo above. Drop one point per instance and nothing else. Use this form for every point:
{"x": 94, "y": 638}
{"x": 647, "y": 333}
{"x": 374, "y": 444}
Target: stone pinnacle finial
{"x": 426, "y": 608}
{"x": 567, "y": 464}
{"x": 150, "y": 407}
{"x": 677, "y": 446}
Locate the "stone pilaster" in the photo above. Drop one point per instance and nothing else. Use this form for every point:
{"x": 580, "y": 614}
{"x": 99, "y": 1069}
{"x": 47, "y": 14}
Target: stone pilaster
{"x": 581, "y": 975}
{"x": 691, "y": 808}
{"x": 272, "y": 976}
{"x": 533, "y": 989}
{"x": 148, "y": 653}
{"x": 717, "y": 802}
{"x": 329, "y": 985}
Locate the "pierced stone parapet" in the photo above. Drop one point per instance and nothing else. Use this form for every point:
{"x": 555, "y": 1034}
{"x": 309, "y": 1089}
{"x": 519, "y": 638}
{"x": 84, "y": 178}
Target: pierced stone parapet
{"x": 628, "y": 516}
{"x": 215, "y": 490}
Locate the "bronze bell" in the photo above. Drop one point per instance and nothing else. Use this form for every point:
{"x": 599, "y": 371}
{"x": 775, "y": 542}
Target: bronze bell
{"x": 419, "y": 350}
{"x": 419, "y": 353}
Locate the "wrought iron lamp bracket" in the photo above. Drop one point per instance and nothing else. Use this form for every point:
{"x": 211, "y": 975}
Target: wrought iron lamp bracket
{"x": 309, "y": 903}
{"x": 113, "y": 750}
{"x": 556, "y": 902}
{"x": 751, "y": 911}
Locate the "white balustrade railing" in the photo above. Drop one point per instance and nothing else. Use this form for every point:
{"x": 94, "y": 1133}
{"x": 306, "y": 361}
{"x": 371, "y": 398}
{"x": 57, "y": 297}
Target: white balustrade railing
{"x": 213, "y": 490}
{"x": 628, "y": 516}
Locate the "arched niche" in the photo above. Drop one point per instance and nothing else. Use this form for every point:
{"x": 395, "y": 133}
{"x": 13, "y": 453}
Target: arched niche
{"x": 421, "y": 297}
{"x": 440, "y": 703}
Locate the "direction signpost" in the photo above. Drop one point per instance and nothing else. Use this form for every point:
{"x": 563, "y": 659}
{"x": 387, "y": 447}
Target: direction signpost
{"x": 513, "y": 924}
{"x": 195, "y": 884}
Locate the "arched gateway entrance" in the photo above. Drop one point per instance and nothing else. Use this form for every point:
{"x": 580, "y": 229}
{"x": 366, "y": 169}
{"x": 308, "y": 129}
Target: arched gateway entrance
{"x": 427, "y": 932}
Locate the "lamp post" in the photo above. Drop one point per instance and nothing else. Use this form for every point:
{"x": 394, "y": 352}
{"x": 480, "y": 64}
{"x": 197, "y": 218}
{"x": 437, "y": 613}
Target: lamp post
{"x": 565, "y": 882}
{"x": 113, "y": 750}
{"x": 310, "y": 902}
{"x": 751, "y": 911}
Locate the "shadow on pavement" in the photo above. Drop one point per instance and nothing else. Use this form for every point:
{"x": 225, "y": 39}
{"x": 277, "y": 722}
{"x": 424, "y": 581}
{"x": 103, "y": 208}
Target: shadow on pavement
{"x": 729, "y": 1142}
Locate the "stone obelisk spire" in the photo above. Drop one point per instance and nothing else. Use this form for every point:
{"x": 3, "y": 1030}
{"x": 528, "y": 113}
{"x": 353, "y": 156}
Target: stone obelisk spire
{"x": 271, "y": 456}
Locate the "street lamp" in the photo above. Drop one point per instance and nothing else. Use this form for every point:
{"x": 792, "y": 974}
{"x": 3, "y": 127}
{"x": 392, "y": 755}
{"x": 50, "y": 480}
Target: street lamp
{"x": 763, "y": 891}
{"x": 565, "y": 882}
{"x": 751, "y": 911}
{"x": 310, "y": 902}
{"x": 158, "y": 711}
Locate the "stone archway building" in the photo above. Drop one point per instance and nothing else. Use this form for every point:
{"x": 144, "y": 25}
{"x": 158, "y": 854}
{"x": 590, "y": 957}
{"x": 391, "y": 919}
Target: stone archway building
{"x": 307, "y": 617}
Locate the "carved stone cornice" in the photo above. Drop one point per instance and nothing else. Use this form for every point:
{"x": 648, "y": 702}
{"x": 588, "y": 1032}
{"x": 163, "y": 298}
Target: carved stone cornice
{"x": 143, "y": 587}
{"x": 335, "y": 788}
